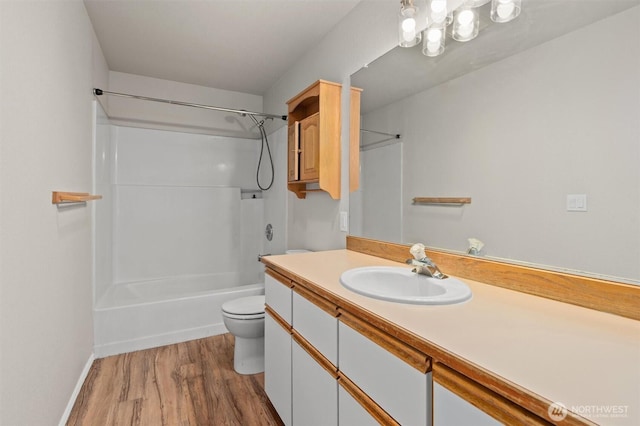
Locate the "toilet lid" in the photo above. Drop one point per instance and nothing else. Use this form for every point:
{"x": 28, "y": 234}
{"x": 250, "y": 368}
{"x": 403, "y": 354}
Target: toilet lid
{"x": 245, "y": 306}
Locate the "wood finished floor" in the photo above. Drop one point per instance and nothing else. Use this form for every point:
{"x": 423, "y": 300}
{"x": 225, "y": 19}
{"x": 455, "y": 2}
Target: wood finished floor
{"x": 190, "y": 383}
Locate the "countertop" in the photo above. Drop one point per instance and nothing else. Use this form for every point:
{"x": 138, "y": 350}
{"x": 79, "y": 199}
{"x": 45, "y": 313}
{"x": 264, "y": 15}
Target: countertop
{"x": 585, "y": 359}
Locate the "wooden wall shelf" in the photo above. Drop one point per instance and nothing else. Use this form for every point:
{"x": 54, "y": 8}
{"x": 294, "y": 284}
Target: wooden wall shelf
{"x": 442, "y": 200}
{"x": 60, "y": 197}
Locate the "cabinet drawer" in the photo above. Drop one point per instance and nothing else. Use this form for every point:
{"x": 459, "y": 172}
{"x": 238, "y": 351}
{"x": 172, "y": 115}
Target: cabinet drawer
{"x": 315, "y": 324}
{"x": 398, "y": 388}
{"x": 277, "y": 290}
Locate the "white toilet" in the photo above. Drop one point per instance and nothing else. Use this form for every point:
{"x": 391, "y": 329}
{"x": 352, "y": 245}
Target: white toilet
{"x": 244, "y": 318}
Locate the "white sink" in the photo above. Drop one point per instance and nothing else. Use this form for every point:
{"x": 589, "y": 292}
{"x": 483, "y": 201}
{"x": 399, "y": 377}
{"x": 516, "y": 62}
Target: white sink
{"x": 397, "y": 284}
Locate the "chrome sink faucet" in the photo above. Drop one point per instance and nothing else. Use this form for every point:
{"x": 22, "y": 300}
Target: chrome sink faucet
{"x": 423, "y": 264}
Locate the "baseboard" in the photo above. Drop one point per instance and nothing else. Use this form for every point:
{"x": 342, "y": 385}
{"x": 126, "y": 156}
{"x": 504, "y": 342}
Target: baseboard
{"x": 154, "y": 341}
{"x": 76, "y": 390}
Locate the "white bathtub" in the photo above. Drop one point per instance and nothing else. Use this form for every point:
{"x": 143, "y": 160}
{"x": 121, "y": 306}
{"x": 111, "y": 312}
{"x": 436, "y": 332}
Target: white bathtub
{"x": 142, "y": 315}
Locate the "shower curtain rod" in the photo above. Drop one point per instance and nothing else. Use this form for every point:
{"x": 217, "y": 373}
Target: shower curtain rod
{"x": 100, "y": 92}
{"x": 393, "y": 135}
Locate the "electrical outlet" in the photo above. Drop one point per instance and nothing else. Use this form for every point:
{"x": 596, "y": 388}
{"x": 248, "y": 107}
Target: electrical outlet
{"x": 577, "y": 202}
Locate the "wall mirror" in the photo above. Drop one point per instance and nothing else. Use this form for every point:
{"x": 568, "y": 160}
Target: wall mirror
{"x": 536, "y": 121}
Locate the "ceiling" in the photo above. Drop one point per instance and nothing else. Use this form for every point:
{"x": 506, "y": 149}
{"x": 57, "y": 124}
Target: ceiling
{"x": 237, "y": 45}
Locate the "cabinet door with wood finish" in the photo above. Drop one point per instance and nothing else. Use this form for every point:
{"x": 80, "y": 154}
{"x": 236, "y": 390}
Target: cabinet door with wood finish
{"x": 314, "y": 140}
{"x": 293, "y": 151}
{"x": 310, "y": 148}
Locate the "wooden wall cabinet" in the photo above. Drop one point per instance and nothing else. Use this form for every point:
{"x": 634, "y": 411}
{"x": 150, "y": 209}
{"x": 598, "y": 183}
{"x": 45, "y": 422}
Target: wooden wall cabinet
{"x": 314, "y": 129}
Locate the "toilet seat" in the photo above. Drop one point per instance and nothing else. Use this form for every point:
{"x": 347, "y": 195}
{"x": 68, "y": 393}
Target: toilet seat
{"x": 244, "y": 308}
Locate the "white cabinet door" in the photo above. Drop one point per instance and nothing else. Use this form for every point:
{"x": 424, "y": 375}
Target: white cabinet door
{"x": 351, "y": 413}
{"x": 277, "y": 367}
{"x": 451, "y": 410}
{"x": 315, "y": 391}
{"x": 398, "y": 388}
{"x": 317, "y": 326}
{"x": 278, "y": 296}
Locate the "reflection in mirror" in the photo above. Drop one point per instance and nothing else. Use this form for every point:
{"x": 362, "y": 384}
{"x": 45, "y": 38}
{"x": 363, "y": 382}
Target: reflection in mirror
{"x": 520, "y": 127}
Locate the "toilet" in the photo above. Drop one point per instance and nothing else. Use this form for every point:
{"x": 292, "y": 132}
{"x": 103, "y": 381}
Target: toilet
{"x": 244, "y": 318}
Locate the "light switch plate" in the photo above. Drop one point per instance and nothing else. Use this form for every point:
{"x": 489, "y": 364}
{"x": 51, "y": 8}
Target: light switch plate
{"x": 577, "y": 202}
{"x": 344, "y": 221}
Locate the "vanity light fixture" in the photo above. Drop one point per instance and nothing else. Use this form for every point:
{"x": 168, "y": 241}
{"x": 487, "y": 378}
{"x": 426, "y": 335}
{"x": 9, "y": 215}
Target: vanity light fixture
{"x": 505, "y": 10}
{"x": 476, "y": 3}
{"x": 466, "y": 23}
{"x": 437, "y": 13}
{"x": 433, "y": 41}
{"x": 407, "y": 27}
{"x": 459, "y": 19}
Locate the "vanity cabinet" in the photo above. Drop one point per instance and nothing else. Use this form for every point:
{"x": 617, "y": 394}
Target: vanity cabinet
{"x": 301, "y": 338}
{"x": 314, "y": 128}
{"x": 336, "y": 369}
{"x": 406, "y": 364}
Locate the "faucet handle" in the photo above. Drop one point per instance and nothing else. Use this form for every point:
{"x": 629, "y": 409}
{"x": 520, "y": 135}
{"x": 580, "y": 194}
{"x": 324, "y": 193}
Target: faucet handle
{"x": 417, "y": 251}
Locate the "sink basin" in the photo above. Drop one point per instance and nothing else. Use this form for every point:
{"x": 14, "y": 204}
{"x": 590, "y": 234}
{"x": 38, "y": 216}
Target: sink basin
{"x": 396, "y": 284}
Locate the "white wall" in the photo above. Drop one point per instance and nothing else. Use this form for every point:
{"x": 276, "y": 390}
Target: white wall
{"x": 366, "y": 33}
{"x": 275, "y": 199}
{"x": 378, "y": 212}
{"x": 518, "y": 136}
{"x": 46, "y": 65}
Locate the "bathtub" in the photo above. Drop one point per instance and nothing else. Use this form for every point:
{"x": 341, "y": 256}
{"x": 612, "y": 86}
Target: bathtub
{"x": 147, "y": 314}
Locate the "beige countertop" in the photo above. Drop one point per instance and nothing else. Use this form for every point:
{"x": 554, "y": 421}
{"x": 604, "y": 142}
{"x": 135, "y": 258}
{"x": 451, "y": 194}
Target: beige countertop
{"x": 585, "y": 359}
